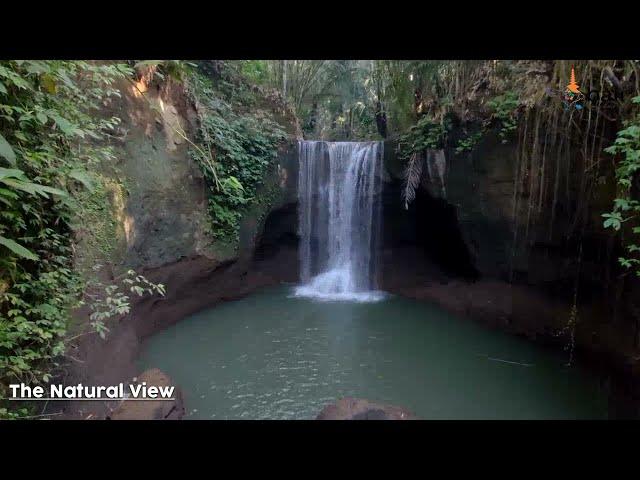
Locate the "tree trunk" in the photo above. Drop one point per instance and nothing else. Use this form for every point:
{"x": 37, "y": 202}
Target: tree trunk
{"x": 284, "y": 79}
{"x": 381, "y": 120}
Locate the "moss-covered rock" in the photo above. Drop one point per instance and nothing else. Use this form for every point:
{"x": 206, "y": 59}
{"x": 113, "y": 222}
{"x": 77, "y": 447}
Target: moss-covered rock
{"x": 150, "y": 207}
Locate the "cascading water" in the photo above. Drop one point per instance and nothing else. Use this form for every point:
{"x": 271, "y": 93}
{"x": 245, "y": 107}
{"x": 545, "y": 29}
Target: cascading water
{"x": 338, "y": 214}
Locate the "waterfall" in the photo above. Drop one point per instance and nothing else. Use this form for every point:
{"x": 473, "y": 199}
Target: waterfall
{"x": 338, "y": 219}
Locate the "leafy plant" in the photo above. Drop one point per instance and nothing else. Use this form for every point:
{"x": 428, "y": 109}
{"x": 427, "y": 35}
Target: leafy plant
{"x": 626, "y": 208}
{"x": 257, "y": 71}
{"x": 504, "y": 109}
{"x": 468, "y": 143}
{"x": 50, "y": 137}
{"x": 111, "y": 300}
{"x": 243, "y": 144}
{"x": 424, "y": 135}
{"x": 6, "y": 414}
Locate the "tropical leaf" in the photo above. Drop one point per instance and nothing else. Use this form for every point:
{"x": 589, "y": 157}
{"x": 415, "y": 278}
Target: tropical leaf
{"x": 11, "y": 173}
{"x": 17, "y": 248}
{"x": 51, "y": 190}
{"x": 8, "y": 193}
{"x": 64, "y": 125}
{"x": 6, "y": 151}
{"x": 15, "y": 178}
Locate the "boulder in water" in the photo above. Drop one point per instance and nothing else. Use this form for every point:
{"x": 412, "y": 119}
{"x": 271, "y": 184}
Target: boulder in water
{"x": 152, "y": 409}
{"x": 360, "y": 409}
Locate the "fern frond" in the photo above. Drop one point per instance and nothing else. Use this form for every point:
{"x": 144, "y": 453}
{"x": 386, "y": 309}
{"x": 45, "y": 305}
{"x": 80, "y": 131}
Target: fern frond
{"x": 412, "y": 175}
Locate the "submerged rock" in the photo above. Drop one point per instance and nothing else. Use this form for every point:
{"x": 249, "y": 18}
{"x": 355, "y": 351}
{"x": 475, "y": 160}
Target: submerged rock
{"x": 360, "y": 409}
{"x": 152, "y": 410}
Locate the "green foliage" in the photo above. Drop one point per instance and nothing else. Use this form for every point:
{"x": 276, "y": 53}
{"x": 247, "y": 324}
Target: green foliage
{"x": 6, "y": 414}
{"x": 426, "y": 134}
{"x": 256, "y": 71}
{"x": 112, "y": 299}
{"x": 402, "y": 82}
{"x": 504, "y": 108}
{"x": 626, "y": 208}
{"x": 50, "y": 138}
{"x": 6, "y": 151}
{"x": 341, "y": 103}
{"x": 243, "y": 144}
{"x": 333, "y": 98}
{"x": 468, "y": 143}
{"x": 367, "y": 99}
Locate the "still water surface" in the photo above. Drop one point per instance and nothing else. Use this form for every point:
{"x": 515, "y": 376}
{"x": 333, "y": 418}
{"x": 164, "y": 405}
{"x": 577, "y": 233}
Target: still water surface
{"x": 275, "y": 356}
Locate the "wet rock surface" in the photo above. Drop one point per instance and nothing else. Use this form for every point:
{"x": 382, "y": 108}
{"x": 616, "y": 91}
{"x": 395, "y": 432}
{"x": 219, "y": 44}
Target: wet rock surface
{"x": 360, "y": 409}
{"x": 151, "y": 409}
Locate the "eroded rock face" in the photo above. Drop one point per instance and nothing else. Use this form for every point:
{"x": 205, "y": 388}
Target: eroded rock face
{"x": 152, "y": 410}
{"x": 162, "y": 214}
{"x": 507, "y": 255}
{"x": 477, "y": 188}
{"x": 349, "y": 408}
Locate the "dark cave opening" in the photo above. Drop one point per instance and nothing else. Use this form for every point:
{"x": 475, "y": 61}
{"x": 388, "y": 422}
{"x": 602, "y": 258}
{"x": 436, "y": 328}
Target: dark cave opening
{"x": 276, "y": 251}
{"x": 280, "y": 231}
{"x": 425, "y": 238}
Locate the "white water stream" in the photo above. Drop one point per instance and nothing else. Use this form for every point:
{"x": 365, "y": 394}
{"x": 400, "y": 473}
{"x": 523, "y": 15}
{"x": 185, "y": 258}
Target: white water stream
{"x": 339, "y": 211}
